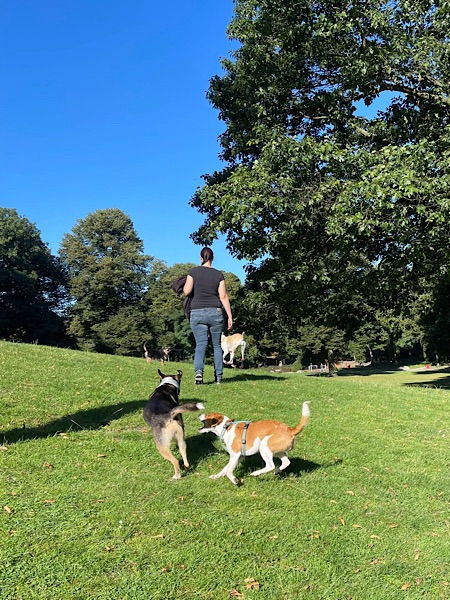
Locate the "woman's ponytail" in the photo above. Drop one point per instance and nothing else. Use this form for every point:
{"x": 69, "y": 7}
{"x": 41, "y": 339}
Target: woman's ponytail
{"x": 206, "y": 255}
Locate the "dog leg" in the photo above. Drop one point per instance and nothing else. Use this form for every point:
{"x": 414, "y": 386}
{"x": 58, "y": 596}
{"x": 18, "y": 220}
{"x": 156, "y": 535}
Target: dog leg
{"x": 181, "y": 442}
{"x": 167, "y": 454}
{"x": 285, "y": 462}
{"x": 267, "y": 456}
{"x": 228, "y": 469}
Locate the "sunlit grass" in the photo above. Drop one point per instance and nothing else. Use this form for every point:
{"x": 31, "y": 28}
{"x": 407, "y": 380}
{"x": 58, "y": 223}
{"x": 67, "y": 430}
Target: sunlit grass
{"x": 89, "y": 509}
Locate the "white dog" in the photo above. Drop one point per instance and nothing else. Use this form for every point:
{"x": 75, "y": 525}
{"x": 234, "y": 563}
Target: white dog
{"x": 230, "y": 344}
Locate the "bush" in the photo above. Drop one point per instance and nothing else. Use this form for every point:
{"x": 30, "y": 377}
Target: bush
{"x": 297, "y": 365}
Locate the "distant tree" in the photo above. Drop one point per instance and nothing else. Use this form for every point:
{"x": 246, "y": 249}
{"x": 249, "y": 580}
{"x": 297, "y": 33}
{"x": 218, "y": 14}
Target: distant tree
{"x": 109, "y": 275}
{"x": 33, "y": 292}
{"x": 233, "y": 284}
{"x": 169, "y": 324}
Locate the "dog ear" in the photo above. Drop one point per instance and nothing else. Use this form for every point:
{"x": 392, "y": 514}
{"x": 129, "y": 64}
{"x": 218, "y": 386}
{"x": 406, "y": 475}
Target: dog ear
{"x": 161, "y": 374}
{"x": 210, "y": 421}
{"x": 179, "y": 374}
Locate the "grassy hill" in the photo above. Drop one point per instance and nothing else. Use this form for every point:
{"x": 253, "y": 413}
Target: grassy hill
{"x": 89, "y": 509}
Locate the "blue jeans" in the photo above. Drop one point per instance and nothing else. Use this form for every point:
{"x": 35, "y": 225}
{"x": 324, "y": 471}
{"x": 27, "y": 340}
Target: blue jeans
{"x": 203, "y": 320}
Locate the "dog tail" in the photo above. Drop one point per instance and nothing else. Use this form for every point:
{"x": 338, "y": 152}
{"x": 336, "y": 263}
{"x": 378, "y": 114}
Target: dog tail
{"x": 304, "y": 420}
{"x": 186, "y": 407}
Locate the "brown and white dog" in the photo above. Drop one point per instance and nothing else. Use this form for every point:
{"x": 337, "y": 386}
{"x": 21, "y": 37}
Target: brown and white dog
{"x": 230, "y": 343}
{"x": 244, "y": 438}
{"x": 164, "y": 415}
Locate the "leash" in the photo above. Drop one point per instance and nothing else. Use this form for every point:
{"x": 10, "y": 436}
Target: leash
{"x": 244, "y": 434}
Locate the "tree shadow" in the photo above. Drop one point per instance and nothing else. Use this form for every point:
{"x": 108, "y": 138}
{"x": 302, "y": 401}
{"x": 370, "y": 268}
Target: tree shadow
{"x": 442, "y": 383}
{"x": 242, "y": 376}
{"x": 363, "y": 371}
{"x": 382, "y": 370}
{"x": 92, "y": 418}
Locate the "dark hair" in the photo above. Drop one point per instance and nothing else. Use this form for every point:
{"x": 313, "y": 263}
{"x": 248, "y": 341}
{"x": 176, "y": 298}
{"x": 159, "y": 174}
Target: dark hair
{"x": 206, "y": 255}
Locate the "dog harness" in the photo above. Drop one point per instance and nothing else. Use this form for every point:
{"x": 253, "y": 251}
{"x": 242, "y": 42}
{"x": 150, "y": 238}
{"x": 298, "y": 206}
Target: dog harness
{"x": 244, "y": 434}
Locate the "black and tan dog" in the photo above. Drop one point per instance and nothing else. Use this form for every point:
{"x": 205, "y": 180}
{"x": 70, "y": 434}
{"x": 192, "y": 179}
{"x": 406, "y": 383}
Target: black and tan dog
{"x": 164, "y": 415}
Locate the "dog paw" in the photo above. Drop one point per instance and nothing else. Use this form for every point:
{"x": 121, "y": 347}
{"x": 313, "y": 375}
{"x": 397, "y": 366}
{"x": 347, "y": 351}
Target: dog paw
{"x": 214, "y": 476}
{"x": 178, "y": 476}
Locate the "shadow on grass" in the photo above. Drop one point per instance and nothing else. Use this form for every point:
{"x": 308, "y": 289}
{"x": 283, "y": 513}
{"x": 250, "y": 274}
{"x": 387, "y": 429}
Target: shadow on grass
{"x": 296, "y": 468}
{"x": 203, "y": 445}
{"x": 200, "y": 447}
{"x": 242, "y": 376}
{"x": 92, "y": 418}
{"x": 364, "y": 371}
{"x": 442, "y": 383}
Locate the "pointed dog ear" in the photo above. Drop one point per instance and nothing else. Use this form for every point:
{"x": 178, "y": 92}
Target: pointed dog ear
{"x": 179, "y": 374}
{"x": 161, "y": 374}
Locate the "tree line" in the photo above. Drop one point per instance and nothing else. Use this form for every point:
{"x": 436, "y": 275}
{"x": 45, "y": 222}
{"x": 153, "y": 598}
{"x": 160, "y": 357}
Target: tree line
{"x": 103, "y": 294}
{"x": 343, "y": 218}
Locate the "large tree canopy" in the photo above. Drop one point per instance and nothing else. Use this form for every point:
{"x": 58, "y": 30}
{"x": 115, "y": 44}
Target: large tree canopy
{"x": 33, "y": 291}
{"x": 339, "y": 213}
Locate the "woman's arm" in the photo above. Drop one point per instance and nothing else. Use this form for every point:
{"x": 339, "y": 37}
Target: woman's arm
{"x": 223, "y": 295}
{"x": 188, "y": 286}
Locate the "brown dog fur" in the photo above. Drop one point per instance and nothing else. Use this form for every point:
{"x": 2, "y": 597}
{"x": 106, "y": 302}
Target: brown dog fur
{"x": 269, "y": 438}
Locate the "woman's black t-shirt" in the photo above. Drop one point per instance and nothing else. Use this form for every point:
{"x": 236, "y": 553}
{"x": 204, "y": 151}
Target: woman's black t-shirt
{"x": 206, "y": 287}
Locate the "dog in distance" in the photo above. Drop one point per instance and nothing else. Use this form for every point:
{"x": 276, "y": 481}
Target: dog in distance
{"x": 161, "y": 354}
{"x": 230, "y": 343}
{"x": 163, "y": 413}
{"x": 245, "y": 438}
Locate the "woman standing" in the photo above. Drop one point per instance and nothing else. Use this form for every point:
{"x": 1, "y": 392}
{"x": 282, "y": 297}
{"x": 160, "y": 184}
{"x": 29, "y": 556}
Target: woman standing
{"x": 207, "y": 288}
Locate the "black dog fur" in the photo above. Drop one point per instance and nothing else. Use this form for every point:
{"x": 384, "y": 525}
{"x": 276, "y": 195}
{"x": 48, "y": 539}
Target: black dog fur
{"x": 163, "y": 413}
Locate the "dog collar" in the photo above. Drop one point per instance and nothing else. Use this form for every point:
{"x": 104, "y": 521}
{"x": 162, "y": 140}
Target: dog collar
{"x": 244, "y": 434}
{"x": 171, "y": 381}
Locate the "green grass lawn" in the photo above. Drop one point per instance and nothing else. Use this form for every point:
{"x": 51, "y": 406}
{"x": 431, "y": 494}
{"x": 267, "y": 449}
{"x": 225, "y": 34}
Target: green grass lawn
{"x": 89, "y": 509}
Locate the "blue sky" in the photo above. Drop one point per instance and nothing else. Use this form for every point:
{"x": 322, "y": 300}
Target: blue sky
{"x": 102, "y": 105}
